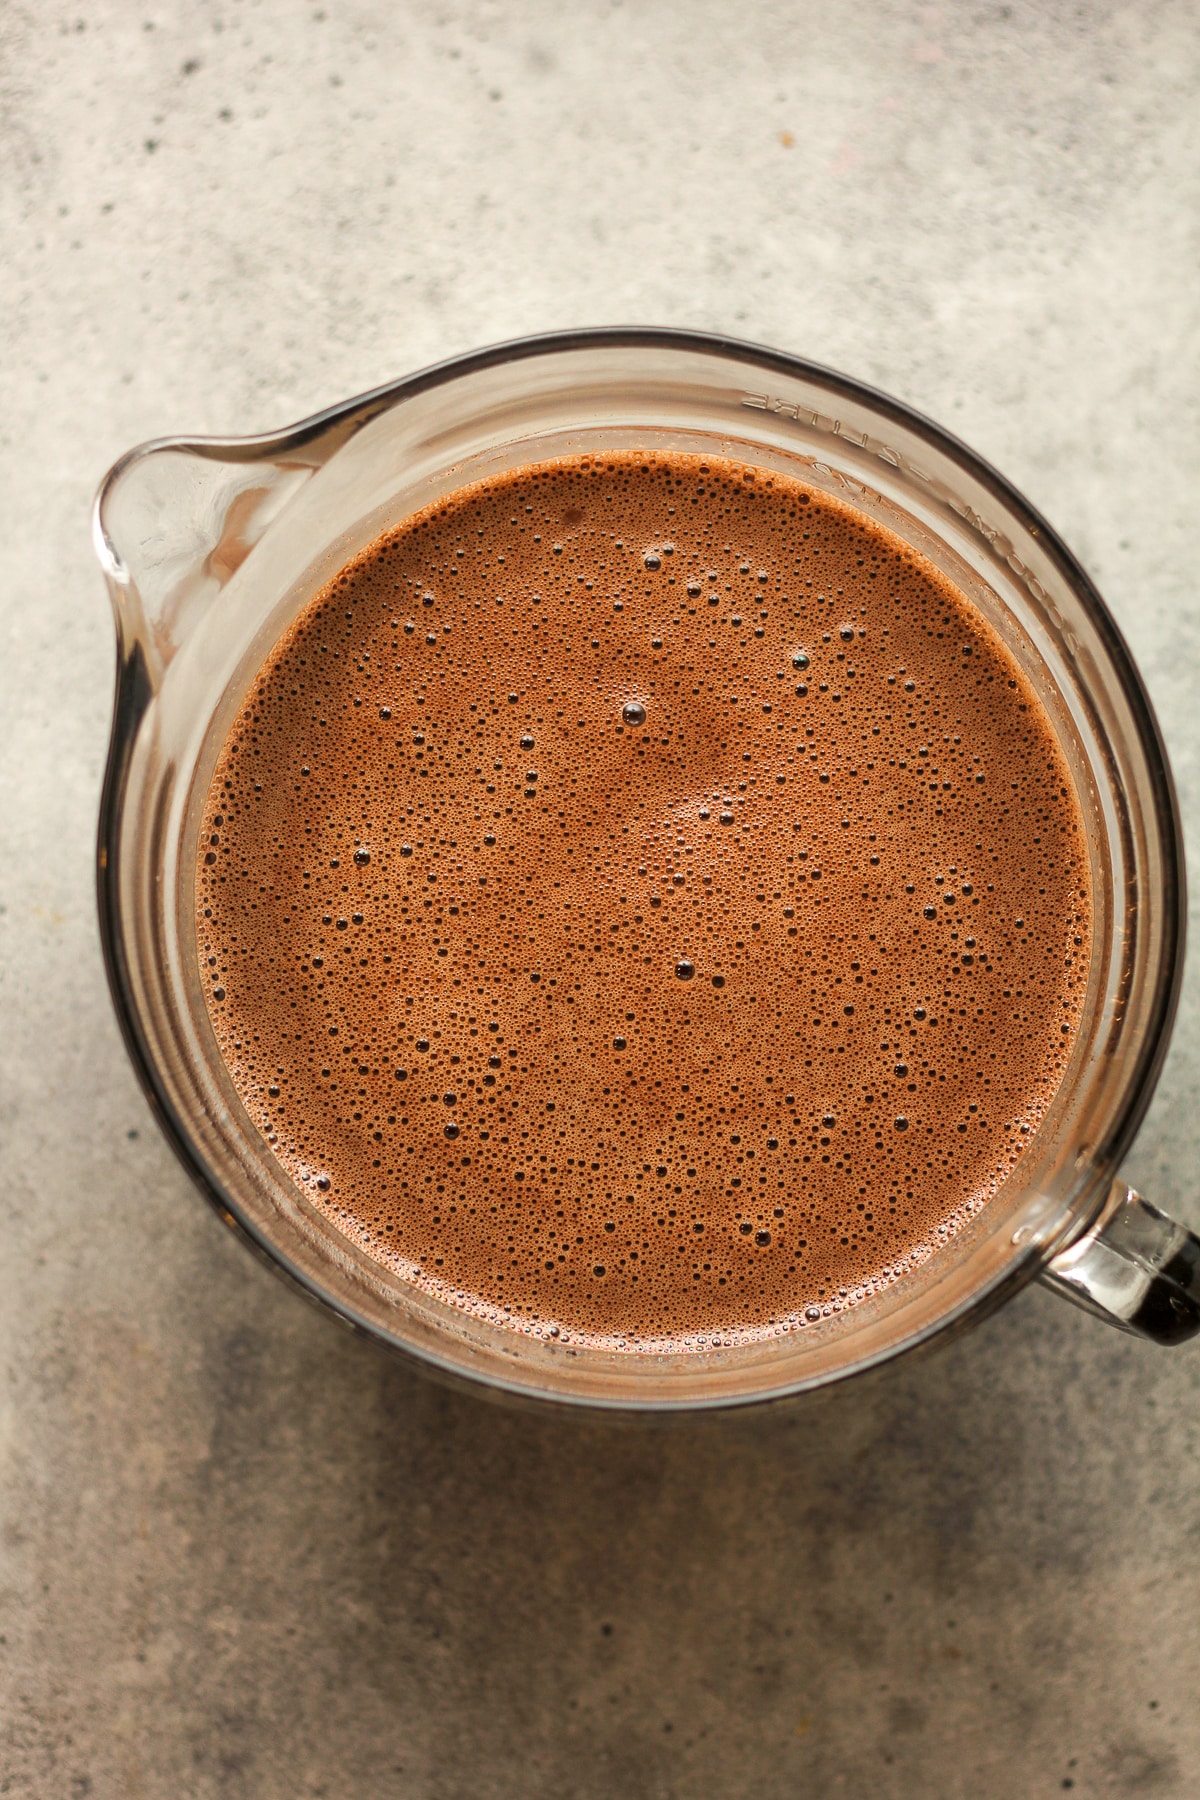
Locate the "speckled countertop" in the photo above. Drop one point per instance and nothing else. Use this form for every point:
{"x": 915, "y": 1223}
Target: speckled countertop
{"x": 243, "y": 1555}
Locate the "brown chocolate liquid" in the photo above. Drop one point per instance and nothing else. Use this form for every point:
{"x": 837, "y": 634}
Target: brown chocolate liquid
{"x": 640, "y": 899}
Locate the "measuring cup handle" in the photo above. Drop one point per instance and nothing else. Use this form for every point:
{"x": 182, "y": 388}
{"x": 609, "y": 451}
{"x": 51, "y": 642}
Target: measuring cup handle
{"x": 1134, "y": 1267}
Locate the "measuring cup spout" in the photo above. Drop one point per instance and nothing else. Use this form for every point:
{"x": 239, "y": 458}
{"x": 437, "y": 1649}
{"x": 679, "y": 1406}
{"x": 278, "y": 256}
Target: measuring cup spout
{"x": 172, "y": 523}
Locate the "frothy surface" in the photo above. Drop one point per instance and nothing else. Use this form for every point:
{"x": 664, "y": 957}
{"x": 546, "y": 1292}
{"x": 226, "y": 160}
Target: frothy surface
{"x": 642, "y": 901}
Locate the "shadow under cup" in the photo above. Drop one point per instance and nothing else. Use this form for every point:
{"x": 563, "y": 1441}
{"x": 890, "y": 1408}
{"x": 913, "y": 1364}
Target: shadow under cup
{"x": 212, "y": 549}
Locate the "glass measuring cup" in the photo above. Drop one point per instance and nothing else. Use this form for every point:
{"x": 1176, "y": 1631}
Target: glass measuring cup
{"x": 212, "y": 547}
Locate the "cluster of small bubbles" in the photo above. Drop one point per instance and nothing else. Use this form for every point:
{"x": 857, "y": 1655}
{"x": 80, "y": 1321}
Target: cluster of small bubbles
{"x": 679, "y": 1034}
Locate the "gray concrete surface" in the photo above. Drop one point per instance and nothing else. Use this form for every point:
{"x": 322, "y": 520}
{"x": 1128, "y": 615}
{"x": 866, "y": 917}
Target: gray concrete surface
{"x": 246, "y": 1556}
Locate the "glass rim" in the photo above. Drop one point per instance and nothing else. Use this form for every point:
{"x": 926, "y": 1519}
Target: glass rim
{"x": 133, "y": 693}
